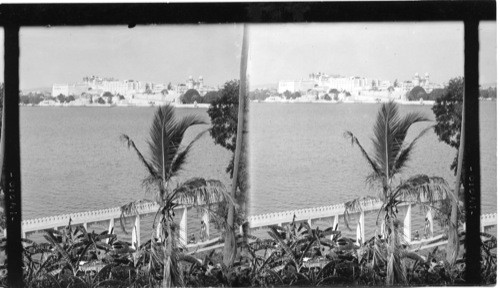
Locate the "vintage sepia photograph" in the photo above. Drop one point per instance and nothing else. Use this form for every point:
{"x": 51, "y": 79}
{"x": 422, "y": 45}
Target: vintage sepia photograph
{"x": 276, "y": 145}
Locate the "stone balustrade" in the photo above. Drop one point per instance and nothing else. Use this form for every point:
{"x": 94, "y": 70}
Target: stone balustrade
{"x": 254, "y": 222}
{"x": 85, "y": 218}
{"x": 334, "y": 211}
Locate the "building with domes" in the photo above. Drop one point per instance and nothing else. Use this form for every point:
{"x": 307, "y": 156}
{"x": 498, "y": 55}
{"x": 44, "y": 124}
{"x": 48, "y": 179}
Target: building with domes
{"x": 196, "y": 84}
{"x": 424, "y": 82}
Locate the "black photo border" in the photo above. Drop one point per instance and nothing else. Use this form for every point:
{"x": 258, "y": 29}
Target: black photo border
{"x": 14, "y": 16}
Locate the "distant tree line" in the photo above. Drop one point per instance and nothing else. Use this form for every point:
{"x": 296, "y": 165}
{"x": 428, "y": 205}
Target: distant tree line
{"x": 259, "y": 94}
{"x": 490, "y": 92}
{"x": 36, "y": 98}
{"x": 31, "y": 98}
{"x": 192, "y": 95}
{"x": 418, "y": 93}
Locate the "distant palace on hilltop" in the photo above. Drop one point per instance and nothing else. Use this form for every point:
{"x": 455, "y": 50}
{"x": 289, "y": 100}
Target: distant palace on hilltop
{"x": 131, "y": 91}
{"x": 359, "y": 88}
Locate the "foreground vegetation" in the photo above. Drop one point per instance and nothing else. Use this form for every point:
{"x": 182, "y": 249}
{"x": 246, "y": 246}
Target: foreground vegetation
{"x": 389, "y": 157}
{"x": 296, "y": 254}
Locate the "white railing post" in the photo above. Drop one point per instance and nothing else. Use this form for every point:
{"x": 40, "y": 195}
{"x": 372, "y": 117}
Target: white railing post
{"x": 84, "y": 226}
{"x": 309, "y": 221}
{"x": 136, "y": 232}
{"x": 206, "y": 220}
{"x": 111, "y": 228}
{"x": 407, "y": 224}
{"x": 430, "y": 218}
{"x": 335, "y": 225}
{"x": 183, "y": 227}
{"x": 360, "y": 230}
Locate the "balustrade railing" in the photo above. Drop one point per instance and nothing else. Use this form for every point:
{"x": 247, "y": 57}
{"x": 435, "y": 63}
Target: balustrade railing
{"x": 254, "y": 222}
{"x": 112, "y": 214}
{"x": 335, "y": 211}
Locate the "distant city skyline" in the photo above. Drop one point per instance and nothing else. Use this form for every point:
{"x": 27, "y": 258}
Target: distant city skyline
{"x": 172, "y": 53}
{"x": 385, "y": 51}
{"x": 155, "y": 53}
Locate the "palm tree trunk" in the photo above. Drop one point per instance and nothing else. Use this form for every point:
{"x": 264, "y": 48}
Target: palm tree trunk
{"x": 453, "y": 246}
{"x": 167, "y": 275}
{"x": 229, "y": 242}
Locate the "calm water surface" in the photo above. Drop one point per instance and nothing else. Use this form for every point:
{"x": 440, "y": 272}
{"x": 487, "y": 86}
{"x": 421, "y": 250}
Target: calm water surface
{"x": 300, "y": 159}
{"x": 72, "y": 159}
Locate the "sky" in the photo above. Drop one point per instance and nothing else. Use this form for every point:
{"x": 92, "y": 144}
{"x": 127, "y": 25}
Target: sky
{"x": 172, "y": 53}
{"x": 384, "y": 51}
{"x": 159, "y": 54}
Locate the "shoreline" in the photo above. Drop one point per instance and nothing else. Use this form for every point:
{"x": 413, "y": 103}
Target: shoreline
{"x": 347, "y": 102}
{"x": 206, "y": 105}
{"x": 193, "y": 106}
{"x": 422, "y": 103}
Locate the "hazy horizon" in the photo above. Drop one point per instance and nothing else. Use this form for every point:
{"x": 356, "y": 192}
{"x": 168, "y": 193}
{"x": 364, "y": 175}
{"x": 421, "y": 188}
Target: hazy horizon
{"x": 386, "y": 51}
{"x": 156, "y": 53}
{"x": 172, "y": 53}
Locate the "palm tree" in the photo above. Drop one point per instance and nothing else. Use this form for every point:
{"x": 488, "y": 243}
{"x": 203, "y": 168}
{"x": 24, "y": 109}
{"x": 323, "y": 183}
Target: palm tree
{"x": 166, "y": 159}
{"x": 390, "y": 156}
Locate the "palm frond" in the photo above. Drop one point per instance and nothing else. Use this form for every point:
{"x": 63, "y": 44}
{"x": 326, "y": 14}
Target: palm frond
{"x": 166, "y": 134}
{"x": 390, "y": 131}
{"x": 130, "y": 143}
{"x": 374, "y": 184}
{"x": 385, "y": 149}
{"x": 404, "y": 154}
{"x": 422, "y": 188}
{"x": 198, "y": 191}
{"x": 402, "y": 127}
{"x": 181, "y": 157}
{"x": 354, "y": 140}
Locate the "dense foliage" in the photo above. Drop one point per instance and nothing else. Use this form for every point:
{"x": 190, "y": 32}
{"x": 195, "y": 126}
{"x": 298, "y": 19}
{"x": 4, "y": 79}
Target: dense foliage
{"x": 489, "y": 93}
{"x": 295, "y": 255}
{"x": 417, "y": 93}
{"x": 61, "y": 98}
{"x": 34, "y": 99}
{"x": 211, "y": 97}
{"x": 448, "y": 112}
{"x": 191, "y": 96}
{"x": 224, "y": 117}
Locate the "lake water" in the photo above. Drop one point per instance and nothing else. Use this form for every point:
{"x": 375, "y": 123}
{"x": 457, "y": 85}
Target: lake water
{"x": 72, "y": 159}
{"x": 300, "y": 159}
